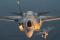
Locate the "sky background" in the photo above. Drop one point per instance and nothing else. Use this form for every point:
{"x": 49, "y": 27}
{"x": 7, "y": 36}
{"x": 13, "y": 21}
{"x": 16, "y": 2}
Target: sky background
{"x": 8, "y": 6}
{"x": 9, "y": 30}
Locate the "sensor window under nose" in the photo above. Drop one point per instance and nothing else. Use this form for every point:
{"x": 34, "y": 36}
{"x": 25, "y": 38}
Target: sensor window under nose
{"x": 29, "y": 24}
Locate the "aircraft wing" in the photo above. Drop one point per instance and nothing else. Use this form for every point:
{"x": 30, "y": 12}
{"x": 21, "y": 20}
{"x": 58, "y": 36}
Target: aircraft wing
{"x": 9, "y": 18}
{"x": 50, "y": 18}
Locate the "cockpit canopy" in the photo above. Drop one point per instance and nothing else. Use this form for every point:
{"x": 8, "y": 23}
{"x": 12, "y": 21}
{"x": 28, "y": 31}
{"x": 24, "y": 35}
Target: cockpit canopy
{"x": 29, "y": 23}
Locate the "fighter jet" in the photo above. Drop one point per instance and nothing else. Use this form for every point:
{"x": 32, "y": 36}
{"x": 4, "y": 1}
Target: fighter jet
{"x": 30, "y": 21}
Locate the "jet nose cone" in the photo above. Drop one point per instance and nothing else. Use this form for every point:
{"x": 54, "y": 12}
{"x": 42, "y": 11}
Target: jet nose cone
{"x": 29, "y": 34}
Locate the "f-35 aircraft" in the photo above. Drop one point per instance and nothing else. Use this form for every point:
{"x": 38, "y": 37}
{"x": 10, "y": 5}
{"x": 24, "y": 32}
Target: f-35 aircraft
{"x": 30, "y": 22}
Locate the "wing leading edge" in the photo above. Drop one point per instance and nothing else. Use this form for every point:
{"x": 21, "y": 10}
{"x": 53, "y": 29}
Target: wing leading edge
{"x": 51, "y": 18}
{"x": 9, "y": 18}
